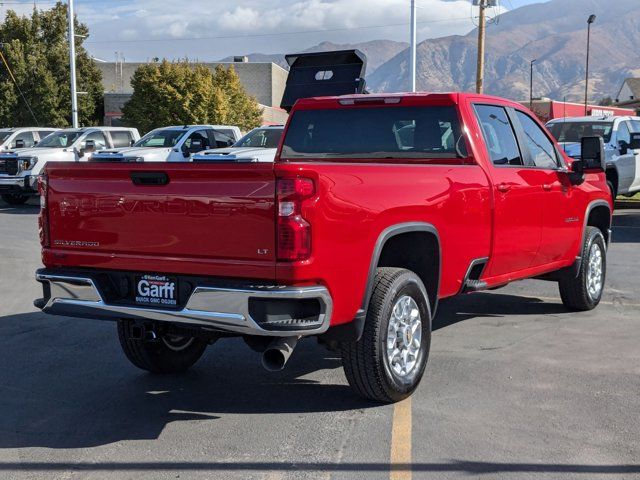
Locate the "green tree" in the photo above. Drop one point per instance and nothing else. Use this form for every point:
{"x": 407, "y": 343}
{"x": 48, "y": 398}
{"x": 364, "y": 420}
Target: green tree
{"x": 606, "y": 102}
{"x": 37, "y": 51}
{"x": 243, "y": 109}
{"x": 184, "y": 92}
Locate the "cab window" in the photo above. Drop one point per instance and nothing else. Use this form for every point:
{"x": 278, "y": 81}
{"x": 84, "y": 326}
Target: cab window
{"x": 98, "y": 138}
{"x": 121, "y": 138}
{"x": 541, "y": 148}
{"x": 623, "y": 134}
{"x": 499, "y": 136}
{"x": 27, "y": 139}
{"x": 196, "y": 142}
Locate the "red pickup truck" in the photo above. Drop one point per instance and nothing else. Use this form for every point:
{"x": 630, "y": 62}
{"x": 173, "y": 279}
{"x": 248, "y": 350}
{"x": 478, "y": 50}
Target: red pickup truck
{"x": 377, "y": 207}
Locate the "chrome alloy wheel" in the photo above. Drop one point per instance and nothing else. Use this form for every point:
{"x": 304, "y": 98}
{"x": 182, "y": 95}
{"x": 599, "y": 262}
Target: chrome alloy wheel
{"x": 404, "y": 337}
{"x": 177, "y": 342}
{"x": 594, "y": 272}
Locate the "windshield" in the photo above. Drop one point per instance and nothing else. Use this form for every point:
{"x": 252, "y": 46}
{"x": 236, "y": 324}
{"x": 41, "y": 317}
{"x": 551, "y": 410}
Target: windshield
{"x": 375, "y": 132}
{"x": 574, "y": 131}
{"x": 261, "y": 138}
{"x": 161, "y": 138}
{"x": 4, "y": 136}
{"x": 62, "y": 139}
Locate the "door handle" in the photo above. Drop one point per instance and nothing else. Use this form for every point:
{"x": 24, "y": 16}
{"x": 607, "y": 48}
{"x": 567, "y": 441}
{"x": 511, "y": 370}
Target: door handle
{"x": 503, "y": 187}
{"x": 546, "y": 187}
{"x": 149, "y": 178}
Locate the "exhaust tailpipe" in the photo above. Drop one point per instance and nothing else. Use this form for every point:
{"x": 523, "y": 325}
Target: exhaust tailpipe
{"x": 275, "y": 356}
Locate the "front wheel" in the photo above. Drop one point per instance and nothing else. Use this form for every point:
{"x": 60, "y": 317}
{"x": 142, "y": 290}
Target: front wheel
{"x": 168, "y": 353}
{"x": 15, "y": 198}
{"x": 387, "y": 363}
{"x": 584, "y": 292}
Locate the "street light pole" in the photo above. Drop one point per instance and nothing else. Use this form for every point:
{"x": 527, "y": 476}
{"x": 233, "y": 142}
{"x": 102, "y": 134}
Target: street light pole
{"x": 413, "y": 45}
{"x": 531, "y": 85}
{"x": 590, "y": 20}
{"x": 72, "y": 66}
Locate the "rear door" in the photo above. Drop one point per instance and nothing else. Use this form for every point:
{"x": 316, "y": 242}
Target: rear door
{"x": 517, "y": 226}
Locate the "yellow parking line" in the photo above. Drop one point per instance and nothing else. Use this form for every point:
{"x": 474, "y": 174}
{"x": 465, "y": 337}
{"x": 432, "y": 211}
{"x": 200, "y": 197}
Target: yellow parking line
{"x": 401, "y": 441}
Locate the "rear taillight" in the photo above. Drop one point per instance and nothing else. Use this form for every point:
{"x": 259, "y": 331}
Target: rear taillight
{"x": 43, "y": 218}
{"x": 294, "y": 231}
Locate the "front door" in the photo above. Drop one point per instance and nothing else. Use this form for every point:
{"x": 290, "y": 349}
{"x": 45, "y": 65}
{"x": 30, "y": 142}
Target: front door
{"x": 561, "y": 222}
{"x": 518, "y": 209}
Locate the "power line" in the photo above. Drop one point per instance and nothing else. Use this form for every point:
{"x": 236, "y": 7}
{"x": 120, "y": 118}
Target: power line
{"x": 299, "y": 32}
{"x": 4, "y": 60}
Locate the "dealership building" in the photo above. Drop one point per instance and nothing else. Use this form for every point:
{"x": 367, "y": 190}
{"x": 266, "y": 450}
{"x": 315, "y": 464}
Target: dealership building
{"x": 263, "y": 80}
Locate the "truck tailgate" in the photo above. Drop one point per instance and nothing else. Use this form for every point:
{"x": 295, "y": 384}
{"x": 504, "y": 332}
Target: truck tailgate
{"x": 200, "y": 218}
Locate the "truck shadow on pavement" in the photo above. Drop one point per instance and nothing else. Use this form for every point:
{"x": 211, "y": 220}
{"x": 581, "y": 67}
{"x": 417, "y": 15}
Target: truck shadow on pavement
{"x": 27, "y": 209}
{"x": 486, "y": 305}
{"x": 66, "y": 384}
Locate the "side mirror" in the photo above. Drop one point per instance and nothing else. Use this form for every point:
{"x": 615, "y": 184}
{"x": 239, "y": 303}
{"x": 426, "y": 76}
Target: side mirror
{"x": 132, "y": 142}
{"x": 592, "y": 154}
{"x": 19, "y": 143}
{"x": 89, "y": 146}
{"x": 197, "y": 145}
{"x": 623, "y": 147}
{"x": 635, "y": 142}
{"x": 576, "y": 174}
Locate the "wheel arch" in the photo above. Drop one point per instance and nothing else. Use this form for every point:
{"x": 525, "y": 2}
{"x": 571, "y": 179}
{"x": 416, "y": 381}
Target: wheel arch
{"x": 598, "y": 214}
{"x": 389, "y": 252}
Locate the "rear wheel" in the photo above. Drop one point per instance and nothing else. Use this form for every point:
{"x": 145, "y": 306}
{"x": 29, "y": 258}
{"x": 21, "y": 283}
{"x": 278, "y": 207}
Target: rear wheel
{"x": 15, "y": 198}
{"x": 387, "y": 363}
{"x": 168, "y": 353}
{"x": 585, "y": 291}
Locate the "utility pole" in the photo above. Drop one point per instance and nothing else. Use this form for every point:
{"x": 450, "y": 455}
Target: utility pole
{"x": 72, "y": 66}
{"x": 413, "y": 45}
{"x": 590, "y": 20}
{"x": 482, "y": 25}
{"x": 531, "y": 85}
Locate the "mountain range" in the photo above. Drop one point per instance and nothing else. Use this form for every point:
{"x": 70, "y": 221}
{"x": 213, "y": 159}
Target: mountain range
{"x": 553, "y": 33}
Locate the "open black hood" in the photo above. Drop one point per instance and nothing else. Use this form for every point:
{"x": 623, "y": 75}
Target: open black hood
{"x": 322, "y": 74}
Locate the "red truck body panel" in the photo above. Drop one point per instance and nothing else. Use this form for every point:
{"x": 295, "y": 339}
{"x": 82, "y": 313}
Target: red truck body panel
{"x": 208, "y": 220}
{"x": 220, "y": 220}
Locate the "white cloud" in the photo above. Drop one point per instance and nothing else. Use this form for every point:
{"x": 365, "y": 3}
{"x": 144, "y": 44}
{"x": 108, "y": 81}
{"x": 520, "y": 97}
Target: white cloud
{"x": 232, "y": 27}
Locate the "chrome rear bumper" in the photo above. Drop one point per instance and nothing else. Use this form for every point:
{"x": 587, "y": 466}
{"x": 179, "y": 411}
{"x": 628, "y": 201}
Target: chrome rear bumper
{"x": 225, "y": 309}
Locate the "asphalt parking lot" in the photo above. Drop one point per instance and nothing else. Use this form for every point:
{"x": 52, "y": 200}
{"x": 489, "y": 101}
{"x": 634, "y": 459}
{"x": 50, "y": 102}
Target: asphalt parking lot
{"x": 516, "y": 387}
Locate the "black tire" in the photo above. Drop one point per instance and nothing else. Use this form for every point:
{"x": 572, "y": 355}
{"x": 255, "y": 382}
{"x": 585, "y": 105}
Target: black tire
{"x": 612, "y": 189}
{"x": 574, "y": 291}
{"x": 15, "y": 198}
{"x": 166, "y": 354}
{"x": 365, "y": 362}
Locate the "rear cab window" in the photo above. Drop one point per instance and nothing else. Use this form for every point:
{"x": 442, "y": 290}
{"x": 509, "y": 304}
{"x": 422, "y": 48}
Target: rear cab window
{"x": 375, "y": 132}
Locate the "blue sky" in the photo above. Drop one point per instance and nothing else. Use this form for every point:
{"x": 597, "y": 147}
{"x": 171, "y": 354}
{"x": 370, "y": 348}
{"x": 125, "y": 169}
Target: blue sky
{"x": 212, "y": 29}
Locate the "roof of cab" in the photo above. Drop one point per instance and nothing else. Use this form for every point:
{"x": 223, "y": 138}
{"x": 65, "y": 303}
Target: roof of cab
{"x": 453, "y": 97}
{"x": 609, "y": 118}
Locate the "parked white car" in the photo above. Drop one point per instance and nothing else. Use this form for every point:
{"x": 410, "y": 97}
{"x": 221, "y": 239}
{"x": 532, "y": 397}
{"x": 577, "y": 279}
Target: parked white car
{"x": 259, "y": 145}
{"x": 22, "y": 137}
{"x": 19, "y": 168}
{"x": 621, "y": 137}
{"x": 173, "y": 144}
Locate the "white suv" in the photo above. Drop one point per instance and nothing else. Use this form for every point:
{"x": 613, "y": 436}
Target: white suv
{"x": 22, "y": 137}
{"x": 19, "y": 168}
{"x": 172, "y": 144}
